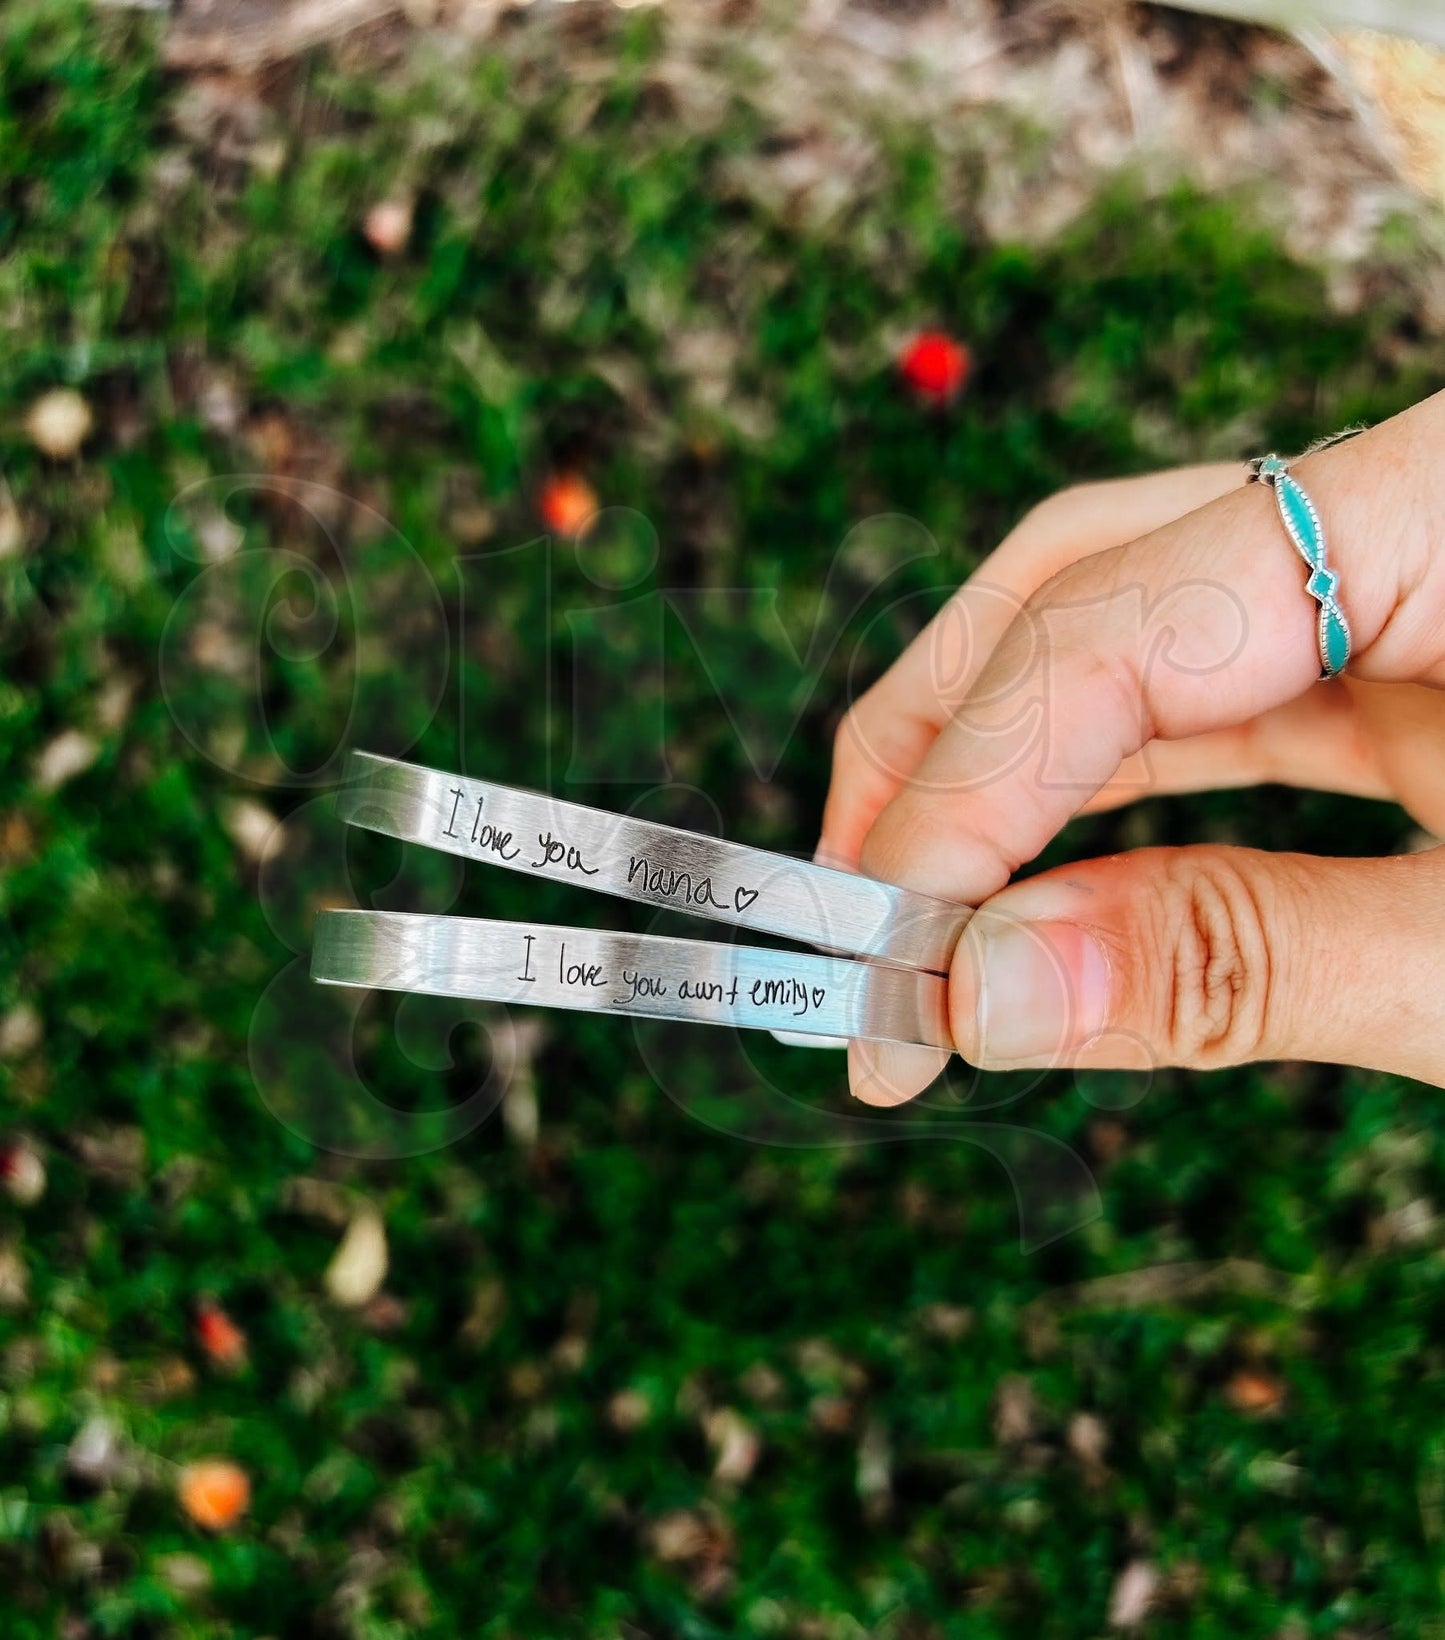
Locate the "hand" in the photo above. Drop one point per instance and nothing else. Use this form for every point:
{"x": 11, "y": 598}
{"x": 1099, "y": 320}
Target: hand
{"x": 1148, "y": 636}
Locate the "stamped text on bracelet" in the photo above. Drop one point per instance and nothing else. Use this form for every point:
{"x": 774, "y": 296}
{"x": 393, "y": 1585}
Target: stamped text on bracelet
{"x": 661, "y": 881}
{"x": 642, "y": 975}
{"x": 645, "y": 861}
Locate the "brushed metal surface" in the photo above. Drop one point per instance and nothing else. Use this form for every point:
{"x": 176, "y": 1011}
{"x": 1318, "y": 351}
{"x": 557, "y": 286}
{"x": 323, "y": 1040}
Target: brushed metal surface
{"x": 657, "y": 865}
{"x": 645, "y": 975}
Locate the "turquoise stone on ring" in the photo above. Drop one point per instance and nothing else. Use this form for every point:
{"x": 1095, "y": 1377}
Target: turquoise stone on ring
{"x": 1334, "y": 639}
{"x": 1322, "y": 584}
{"x": 1302, "y": 523}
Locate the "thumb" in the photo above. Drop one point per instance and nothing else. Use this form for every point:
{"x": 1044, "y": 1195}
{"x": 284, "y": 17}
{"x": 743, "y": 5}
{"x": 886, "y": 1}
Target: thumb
{"x": 1209, "y": 956}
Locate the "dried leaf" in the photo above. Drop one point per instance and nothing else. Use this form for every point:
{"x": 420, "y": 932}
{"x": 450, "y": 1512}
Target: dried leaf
{"x": 71, "y": 753}
{"x": 736, "y": 1444}
{"x": 628, "y": 1410}
{"x": 875, "y": 1470}
{"x": 20, "y": 1032}
{"x": 357, "y": 1270}
{"x": 1015, "y": 1413}
{"x": 96, "y": 1456}
{"x": 1088, "y": 1439}
{"x": 1133, "y": 1595}
{"x": 22, "y": 1172}
{"x": 388, "y": 226}
{"x": 253, "y": 829}
{"x": 58, "y": 423}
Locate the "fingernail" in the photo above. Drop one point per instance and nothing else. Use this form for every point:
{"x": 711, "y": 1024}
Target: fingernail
{"x": 1043, "y": 989}
{"x": 889, "y": 1073}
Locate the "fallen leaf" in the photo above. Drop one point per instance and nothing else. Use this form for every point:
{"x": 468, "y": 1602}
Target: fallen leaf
{"x": 1015, "y": 1413}
{"x": 12, "y": 529}
{"x": 14, "y": 1279}
{"x": 253, "y": 829}
{"x": 700, "y": 1540}
{"x": 186, "y": 1574}
{"x": 628, "y": 1410}
{"x": 71, "y": 753}
{"x": 679, "y": 1536}
{"x": 1088, "y": 1439}
{"x": 946, "y": 1321}
{"x": 1133, "y": 1594}
{"x": 22, "y": 1172}
{"x": 113, "y": 704}
{"x": 388, "y": 226}
{"x": 875, "y": 1470}
{"x": 58, "y": 423}
{"x": 358, "y": 1268}
{"x": 520, "y": 1114}
{"x": 736, "y": 1444}
{"x": 116, "y": 1154}
{"x": 219, "y": 1336}
{"x": 96, "y": 1455}
{"x": 20, "y": 1032}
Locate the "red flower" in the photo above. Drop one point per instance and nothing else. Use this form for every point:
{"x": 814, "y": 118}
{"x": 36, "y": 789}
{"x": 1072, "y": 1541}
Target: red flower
{"x": 219, "y": 1336}
{"x": 568, "y": 503}
{"x": 935, "y": 366}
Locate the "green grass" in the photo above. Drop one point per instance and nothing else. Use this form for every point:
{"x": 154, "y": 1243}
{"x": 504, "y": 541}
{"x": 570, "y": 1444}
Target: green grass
{"x": 688, "y": 1235}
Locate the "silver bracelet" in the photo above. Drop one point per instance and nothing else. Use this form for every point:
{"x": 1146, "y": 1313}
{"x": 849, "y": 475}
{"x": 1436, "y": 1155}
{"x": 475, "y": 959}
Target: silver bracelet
{"x": 896, "y": 993}
{"x": 650, "y": 863}
{"x": 644, "y": 975}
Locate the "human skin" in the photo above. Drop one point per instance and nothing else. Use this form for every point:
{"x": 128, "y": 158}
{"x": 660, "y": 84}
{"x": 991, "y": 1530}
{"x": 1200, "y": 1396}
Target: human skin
{"x": 1154, "y": 635}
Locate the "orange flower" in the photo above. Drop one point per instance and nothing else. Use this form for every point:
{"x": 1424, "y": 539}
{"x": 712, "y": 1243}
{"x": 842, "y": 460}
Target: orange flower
{"x": 1253, "y": 1390}
{"x": 219, "y": 1336}
{"x": 935, "y": 366}
{"x": 214, "y": 1492}
{"x": 568, "y": 503}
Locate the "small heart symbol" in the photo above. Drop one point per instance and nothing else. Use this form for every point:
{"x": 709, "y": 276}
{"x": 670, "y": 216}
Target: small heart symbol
{"x": 818, "y": 994}
{"x": 743, "y": 898}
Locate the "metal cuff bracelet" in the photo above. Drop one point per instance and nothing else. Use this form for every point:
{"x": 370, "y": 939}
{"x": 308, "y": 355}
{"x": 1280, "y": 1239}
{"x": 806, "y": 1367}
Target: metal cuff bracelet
{"x": 896, "y": 993}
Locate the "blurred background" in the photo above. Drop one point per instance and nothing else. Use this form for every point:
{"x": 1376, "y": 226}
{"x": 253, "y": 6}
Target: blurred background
{"x": 595, "y": 398}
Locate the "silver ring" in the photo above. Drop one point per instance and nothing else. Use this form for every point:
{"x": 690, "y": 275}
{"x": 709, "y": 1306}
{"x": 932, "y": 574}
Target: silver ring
{"x": 656, "y": 865}
{"x": 642, "y": 975}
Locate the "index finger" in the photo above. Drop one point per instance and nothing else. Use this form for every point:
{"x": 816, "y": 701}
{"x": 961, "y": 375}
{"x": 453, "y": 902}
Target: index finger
{"x": 889, "y": 729}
